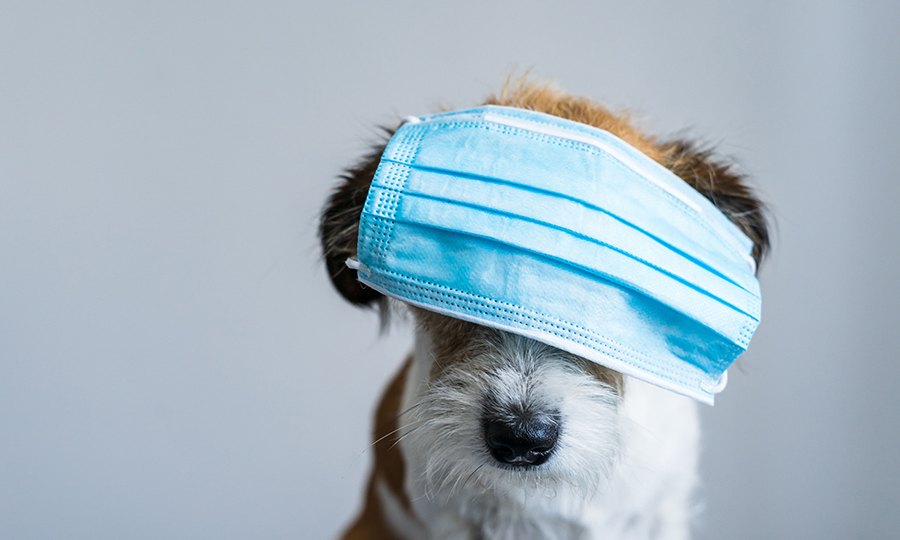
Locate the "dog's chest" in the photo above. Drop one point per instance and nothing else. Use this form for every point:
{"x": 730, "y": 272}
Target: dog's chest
{"x": 631, "y": 517}
{"x": 472, "y": 516}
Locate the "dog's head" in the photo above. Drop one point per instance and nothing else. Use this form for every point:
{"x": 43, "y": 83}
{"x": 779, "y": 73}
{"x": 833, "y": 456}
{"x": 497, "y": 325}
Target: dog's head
{"x": 503, "y": 411}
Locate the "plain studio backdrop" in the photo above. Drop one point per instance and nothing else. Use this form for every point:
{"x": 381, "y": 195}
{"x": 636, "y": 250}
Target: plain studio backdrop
{"x": 173, "y": 360}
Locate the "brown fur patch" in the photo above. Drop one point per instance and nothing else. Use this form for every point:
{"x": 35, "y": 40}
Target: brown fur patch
{"x": 610, "y": 377}
{"x": 454, "y": 340}
{"x": 549, "y": 99}
{"x": 370, "y": 524}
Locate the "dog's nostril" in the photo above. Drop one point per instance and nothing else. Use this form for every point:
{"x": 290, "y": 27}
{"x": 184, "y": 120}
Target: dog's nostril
{"x": 524, "y": 442}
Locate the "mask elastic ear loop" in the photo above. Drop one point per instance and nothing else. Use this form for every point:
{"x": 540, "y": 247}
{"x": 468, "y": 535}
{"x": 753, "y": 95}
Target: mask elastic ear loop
{"x": 719, "y": 386}
{"x": 354, "y": 264}
{"x": 752, "y": 262}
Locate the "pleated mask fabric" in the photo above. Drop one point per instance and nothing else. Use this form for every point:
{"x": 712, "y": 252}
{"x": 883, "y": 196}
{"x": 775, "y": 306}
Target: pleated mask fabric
{"x": 563, "y": 233}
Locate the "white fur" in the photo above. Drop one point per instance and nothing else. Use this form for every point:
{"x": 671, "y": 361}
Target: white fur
{"x": 622, "y": 468}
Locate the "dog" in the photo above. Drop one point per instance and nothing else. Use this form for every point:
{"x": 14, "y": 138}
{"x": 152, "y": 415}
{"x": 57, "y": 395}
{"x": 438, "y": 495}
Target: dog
{"x": 488, "y": 435}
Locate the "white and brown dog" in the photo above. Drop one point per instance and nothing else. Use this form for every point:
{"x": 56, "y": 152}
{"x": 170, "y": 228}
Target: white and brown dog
{"x": 486, "y": 435}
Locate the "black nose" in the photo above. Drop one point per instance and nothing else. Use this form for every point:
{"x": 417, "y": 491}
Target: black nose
{"x": 523, "y": 441}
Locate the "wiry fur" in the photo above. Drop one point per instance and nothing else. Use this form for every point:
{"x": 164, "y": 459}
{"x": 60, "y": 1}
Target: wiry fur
{"x": 514, "y": 373}
{"x": 624, "y": 463}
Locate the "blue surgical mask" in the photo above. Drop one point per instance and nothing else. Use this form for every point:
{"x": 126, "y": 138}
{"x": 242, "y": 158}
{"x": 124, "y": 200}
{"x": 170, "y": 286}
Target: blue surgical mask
{"x": 563, "y": 233}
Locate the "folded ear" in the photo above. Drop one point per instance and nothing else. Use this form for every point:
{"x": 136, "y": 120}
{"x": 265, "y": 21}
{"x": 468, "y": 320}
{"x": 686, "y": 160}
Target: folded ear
{"x": 339, "y": 226}
{"x": 717, "y": 180}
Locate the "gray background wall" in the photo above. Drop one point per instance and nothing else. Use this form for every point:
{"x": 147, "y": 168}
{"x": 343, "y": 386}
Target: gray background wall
{"x": 173, "y": 362}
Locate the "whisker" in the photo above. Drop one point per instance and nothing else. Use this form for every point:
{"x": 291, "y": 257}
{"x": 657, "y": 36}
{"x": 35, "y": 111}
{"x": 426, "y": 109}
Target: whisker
{"x": 393, "y": 432}
{"x": 407, "y": 434}
{"x": 400, "y": 414}
{"x": 410, "y": 409}
{"x": 473, "y": 473}
{"x": 385, "y": 436}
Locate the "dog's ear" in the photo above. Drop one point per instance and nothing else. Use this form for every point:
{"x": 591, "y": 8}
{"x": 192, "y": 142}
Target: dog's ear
{"x": 339, "y": 226}
{"x": 717, "y": 180}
